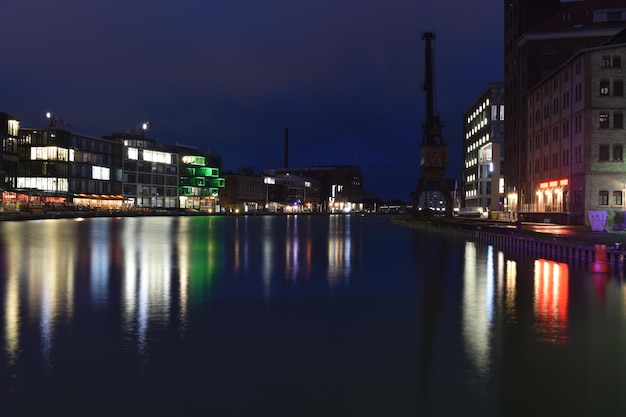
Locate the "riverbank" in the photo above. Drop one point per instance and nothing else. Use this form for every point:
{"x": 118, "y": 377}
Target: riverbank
{"x": 556, "y": 242}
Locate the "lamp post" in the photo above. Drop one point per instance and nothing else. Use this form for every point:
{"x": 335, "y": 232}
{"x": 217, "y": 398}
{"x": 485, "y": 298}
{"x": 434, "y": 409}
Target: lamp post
{"x": 268, "y": 181}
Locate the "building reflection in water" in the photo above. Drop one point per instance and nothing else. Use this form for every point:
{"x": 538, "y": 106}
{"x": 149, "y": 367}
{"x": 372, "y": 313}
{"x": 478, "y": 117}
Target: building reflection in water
{"x": 291, "y": 248}
{"x": 488, "y": 291}
{"x": 38, "y": 264}
{"x": 339, "y": 250}
{"x": 550, "y": 301}
{"x": 147, "y": 277}
{"x": 268, "y": 255}
{"x": 477, "y": 307}
{"x": 510, "y": 310}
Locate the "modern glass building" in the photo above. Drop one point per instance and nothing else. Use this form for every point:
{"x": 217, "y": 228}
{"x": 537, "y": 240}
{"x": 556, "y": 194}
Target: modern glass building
{"x": 483, "y": 176}
{"x": 59, "y": 166}
{"x": 150, "y": 174}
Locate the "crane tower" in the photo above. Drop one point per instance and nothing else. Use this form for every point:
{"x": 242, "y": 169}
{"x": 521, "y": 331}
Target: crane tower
{"x": 434, "y": 151}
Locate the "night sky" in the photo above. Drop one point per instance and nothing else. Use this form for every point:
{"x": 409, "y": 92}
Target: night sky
{"x": 344, "y": 76}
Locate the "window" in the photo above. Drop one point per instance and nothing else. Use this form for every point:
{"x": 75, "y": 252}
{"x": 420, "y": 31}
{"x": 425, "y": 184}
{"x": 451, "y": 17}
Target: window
{"x": 604, "y": 120}
{"x": 606, "y": 61}
{"x": 604, "y": 87}
{"x": 616, "y": 200}
{"x": 618, "y": 120}
{"x": 578, "y": 92}
{"x": 604, "y": 153}
{"x": 618, "y": 152}
{"x": 618, "y": 88}
{"x": 603, "y": 198}
{"x": 617, "y": 61}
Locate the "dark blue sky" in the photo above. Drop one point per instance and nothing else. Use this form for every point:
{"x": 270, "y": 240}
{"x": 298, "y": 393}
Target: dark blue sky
{"x": 344, "y": 76}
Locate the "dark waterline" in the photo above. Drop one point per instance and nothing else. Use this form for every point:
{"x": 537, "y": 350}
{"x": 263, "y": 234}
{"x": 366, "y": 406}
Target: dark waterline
{"x": 297, "y": 316}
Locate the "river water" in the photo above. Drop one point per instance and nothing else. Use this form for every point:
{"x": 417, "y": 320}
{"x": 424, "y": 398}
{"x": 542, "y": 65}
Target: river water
{"x": 298, "y": 316}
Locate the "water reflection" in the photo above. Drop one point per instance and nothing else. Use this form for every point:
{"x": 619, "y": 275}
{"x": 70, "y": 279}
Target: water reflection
{"x": 339, "y": 250}
{"x": 551, "y": 297}
{"x": 45, "y": 270}
{"x": 477, "y": 307}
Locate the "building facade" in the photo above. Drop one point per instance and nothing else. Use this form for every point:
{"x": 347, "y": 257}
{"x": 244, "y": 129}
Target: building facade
{"x": 244, "y": 192}
{"x": 9, "y": 130}
{"x": 483, "y": 176}
{"x": 340, "y": 187}
{"x": 576, "y": 137}
{"x": 539, "y": 36}
{"x": 150, "y": 174}
{"x": 60, "y": 166}
{"x": 200, "y": 183}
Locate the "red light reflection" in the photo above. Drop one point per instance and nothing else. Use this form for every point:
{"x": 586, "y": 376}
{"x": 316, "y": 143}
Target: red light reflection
{"x": 551, "y": 296}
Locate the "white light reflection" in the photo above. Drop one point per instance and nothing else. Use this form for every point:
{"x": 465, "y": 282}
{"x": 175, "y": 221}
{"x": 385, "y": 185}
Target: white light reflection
{"x": 291, "y": 248}
{"x": 12, "y": 310}
{"x": 100, "y": 260}
{"x": 268, "y": 254}
{"x": 183, "y": 272}
{"x": 477, "y": 307}
{"x": 509, "y": 298}
{"x": 147, "y": 279}
{"x": 339, "y": 250}
{"x": 39, "y": 264}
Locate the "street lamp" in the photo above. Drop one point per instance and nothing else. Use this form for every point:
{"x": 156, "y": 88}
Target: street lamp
{"x": 268, "y": 181}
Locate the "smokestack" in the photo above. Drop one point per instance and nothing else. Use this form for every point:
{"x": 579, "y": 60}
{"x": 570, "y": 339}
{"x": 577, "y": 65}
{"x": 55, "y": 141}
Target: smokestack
{"x": 286, "y": 147}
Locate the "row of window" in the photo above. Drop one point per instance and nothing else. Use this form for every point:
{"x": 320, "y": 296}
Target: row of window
{"x": 618, "y": 153}
{"x": 604, "y": 120}
{"x": 618, "y": 88}
{"x": 604, "y": 155}
{"x": 563, "y": 131}
{"x": 616, "y": 198}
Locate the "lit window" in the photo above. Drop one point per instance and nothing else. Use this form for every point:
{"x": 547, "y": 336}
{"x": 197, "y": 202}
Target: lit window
{"x": 133, "y": 153}
{"x": 604, "y": 87}
{"x": 604, "y": 120}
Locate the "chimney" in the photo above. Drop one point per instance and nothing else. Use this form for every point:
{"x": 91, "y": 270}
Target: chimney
{"x": 286, "y": 147}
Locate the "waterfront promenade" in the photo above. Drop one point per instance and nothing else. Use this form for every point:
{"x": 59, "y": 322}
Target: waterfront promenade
{"x": 555, "y": 241}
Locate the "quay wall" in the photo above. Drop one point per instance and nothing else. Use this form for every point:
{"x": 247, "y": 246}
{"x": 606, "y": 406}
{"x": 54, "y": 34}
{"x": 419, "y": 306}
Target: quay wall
{"x": 555, "y": 248}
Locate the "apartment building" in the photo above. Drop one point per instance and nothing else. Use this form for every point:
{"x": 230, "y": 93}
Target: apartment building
{"x": 539, "y": 36}
{"x": 576, "y": 137}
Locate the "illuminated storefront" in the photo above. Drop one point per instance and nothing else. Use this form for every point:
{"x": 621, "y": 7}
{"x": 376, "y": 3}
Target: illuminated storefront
{"x": 551, "y": 196}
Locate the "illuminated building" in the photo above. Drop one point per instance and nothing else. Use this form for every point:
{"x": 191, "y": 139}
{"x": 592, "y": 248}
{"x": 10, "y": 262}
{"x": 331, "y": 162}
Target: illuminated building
{"x": 243, "y": 192}
{"x": 58, "y": 166}
{"x": 340, "y": 187}
{"x": 199, "y": 179}
{"x": 431, "y": 198}
{"x": 539, "y": 36}
{"x": 9, "y": 128}
{"x": 150, "y": 175}
{"x": 576, "y": 137}
{"x": 483, "y": 179}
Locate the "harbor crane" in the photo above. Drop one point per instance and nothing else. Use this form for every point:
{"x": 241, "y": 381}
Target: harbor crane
{"x": 434, "y": 151}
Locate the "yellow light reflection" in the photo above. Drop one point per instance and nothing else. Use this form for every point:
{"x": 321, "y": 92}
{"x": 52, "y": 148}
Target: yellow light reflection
{"x": 339, "y": 249}
{"x": 509, "y": 298}
{"x": 477, "y": 307}
{"x": 147, "y": 277}
{"x": 38, "y": 264}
